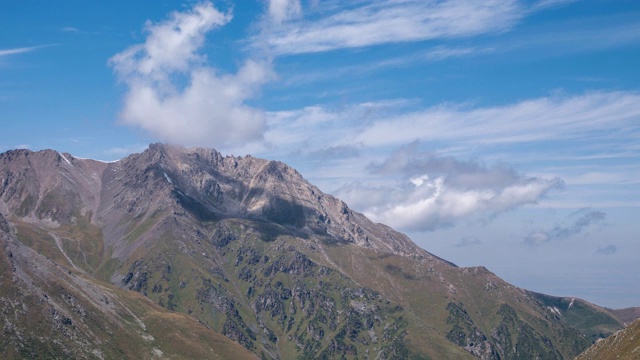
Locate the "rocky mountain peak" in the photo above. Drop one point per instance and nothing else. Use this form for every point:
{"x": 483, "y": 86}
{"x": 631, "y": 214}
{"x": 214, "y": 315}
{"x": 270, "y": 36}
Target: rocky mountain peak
{"x": 198, "y": 183}
{"x": 212, "y": 186}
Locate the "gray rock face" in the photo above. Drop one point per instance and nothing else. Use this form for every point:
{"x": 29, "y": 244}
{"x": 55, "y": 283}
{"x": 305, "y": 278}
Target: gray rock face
{"x": 47, "y": 185}
{"x": 4, "y": 227}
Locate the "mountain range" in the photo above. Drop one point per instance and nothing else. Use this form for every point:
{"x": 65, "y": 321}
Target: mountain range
{"x": 186, "y": 253}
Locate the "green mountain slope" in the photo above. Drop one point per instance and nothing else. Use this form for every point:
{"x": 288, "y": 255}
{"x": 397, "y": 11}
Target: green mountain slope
{"x": 623, "y": 345}
{"x": 49, "y": 310}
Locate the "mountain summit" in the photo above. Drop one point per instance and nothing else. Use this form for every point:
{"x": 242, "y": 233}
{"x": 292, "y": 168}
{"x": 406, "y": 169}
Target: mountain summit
{"x": 250, "y": 249}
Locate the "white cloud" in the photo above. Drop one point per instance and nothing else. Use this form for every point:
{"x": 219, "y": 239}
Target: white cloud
{"x": 281, "y": 10}
{"x": 175, "y": 95}
{"x": 389, "y": 21}
{"x": 14, "y": 51}
{"x": 435, "y": 192}
{"x": 547, "y": 118}
{"x": 440, "y": 53}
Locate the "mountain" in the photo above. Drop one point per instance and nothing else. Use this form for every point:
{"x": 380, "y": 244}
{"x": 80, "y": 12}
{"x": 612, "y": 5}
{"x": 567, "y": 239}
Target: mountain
{"x": 248, "y": 248}
{"x": 628, "y": 315}
{"x": 623, "y": 345}
{"x": 49, "y": 311}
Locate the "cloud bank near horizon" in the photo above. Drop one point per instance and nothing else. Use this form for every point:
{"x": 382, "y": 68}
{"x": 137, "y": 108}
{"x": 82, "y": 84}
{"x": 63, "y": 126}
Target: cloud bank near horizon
{"x": 434, "y": 192}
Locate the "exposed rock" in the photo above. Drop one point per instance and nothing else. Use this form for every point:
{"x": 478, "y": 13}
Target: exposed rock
{"x": 4, "y": 226}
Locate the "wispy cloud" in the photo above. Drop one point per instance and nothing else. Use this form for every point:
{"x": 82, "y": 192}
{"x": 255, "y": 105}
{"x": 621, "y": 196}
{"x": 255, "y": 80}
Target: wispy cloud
{"x": 387, "y": 21}
{"x": 174, "y": 94}
{"x": 468, "y": 242}
{"x": 607, "y": 250}
{"x": 602, "y": 118}
{"x": 581, "y": 220}
{"x": 547, "y": 118}
{"x": 440, "y": 53}
{"x": 334, "y": 152}
{"x": 22, "y": 50}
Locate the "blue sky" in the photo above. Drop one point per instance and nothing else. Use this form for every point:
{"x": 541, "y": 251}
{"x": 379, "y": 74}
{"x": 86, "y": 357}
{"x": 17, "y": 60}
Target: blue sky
{"x": 497, "y": 133}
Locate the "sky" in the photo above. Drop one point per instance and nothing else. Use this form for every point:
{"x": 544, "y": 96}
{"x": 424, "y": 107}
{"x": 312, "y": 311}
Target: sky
{"x": 501, "y": 133}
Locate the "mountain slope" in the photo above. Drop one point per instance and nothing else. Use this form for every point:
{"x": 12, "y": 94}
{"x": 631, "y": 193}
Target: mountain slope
{"x": 623, "y": 345}
{"x": 627, "y": 315}
{"x": 251, "y": 249}
{"x": 50, "y": 312}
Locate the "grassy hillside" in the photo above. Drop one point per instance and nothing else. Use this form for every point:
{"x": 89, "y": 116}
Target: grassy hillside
{"x": 623, "y": 345}
{"x": 51, "y": 310}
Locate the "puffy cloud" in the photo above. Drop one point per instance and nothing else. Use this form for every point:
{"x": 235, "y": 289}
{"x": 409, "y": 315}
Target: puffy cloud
{"x": 581, "y": 220}
{"x": 173, "y": 94}
{"x": 436, "y": 192}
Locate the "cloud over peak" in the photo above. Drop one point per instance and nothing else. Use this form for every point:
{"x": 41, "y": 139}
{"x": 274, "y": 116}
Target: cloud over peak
{"x": 174, "y": 94}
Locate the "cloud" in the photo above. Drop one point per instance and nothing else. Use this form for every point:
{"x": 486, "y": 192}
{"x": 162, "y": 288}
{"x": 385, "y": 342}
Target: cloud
{"x": 546, "y": 118}
{"x": 419, "y": 165}
{"x": 440, "y": 53}
{"x": 22, "y": 50}
{"x": 467, "y": 242}
{"x": 370, "y": 23}
{"x": 176, "y": 96}
{"x": 334, "y": 152}
{"x": 581, "y": 220}
{"x": 596, "y": 120}
{"x": 571, "y": 133}
{"x": 536, "y": 238}
{"x": 436, "y": 192}
{"x": 281, "y": 10}
{"x": 608, "y": 250}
